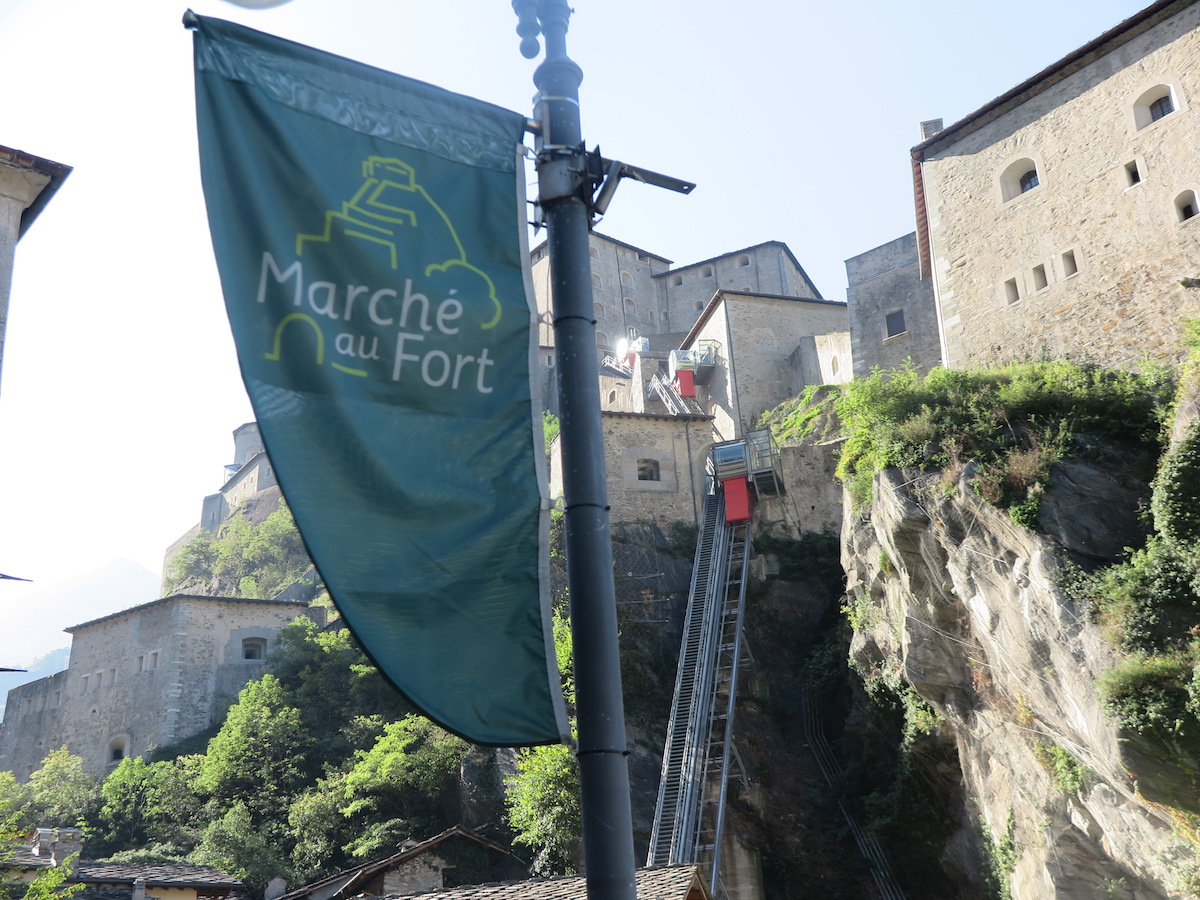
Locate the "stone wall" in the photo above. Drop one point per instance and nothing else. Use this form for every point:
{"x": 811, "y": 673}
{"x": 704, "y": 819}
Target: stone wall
{"x": 144, "y": 677}
{"x": 1086, "y": 263}
{"x": 882, "y": 283}
{"x": 758, "y": 337}
{"x": 677, "y": 445}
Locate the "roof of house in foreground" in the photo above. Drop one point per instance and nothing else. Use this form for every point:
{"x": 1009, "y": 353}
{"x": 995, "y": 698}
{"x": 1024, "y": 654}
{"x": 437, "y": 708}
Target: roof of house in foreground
{"x": 661, "y": 883}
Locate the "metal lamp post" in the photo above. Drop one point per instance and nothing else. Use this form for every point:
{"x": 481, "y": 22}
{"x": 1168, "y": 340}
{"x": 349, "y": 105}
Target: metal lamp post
{"x": 564, "y": 193}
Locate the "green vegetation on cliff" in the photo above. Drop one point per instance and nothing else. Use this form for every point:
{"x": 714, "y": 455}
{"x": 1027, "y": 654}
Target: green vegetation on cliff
{"x": 1011, "y": 423}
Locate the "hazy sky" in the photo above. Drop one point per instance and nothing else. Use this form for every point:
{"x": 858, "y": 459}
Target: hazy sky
{"x": 120, "y": 390}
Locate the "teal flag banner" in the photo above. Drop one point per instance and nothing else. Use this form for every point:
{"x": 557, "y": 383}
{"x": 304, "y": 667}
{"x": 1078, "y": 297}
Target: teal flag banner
{"x": 369, "y": 232}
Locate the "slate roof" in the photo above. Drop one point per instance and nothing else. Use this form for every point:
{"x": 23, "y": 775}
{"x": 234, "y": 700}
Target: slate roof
{"x": 661, "y": 883}
{"x": 155, "y": 874}
{"x": 347, "y": 880}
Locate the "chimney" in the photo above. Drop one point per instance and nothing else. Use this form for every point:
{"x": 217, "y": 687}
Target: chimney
{"x": 139, "y": 888}
{"x": 929, "y": 128}
{"x": 276, "y": 887}
{"x": 43, "y": 840}
{"x": 67, "y": 842}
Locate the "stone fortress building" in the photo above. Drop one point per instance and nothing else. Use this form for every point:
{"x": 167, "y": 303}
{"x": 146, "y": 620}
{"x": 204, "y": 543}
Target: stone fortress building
{"x": 141, "y": 678}
{"x": 158, "y": 673}
{"x": 1056, "y": 220}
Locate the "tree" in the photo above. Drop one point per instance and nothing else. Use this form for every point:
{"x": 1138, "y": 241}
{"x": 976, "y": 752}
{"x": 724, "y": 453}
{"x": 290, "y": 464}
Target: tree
{"x": 543, "y": 796}
{"x": 149, "y": 805}
{"x": 402, "y": 785}
{"x": 544, "y": 809}
{"x": 236, "y": 844}
{"x": 259, "y": 757}
{"x": 243, "y": 558}
{"x": 62, "y": 793}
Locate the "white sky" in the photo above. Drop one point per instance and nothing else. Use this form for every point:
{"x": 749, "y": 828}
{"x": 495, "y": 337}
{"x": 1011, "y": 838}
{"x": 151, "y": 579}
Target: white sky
{"x": 120, "y": 391}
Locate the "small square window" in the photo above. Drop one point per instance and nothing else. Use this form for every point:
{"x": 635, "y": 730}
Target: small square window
{"x": 1133, "y": 174}
{"x": 1039, "y": 278}
{"x": 1012, "y": 291}
{"x": 648, "y": 470}
{"x": 894, "y": 322}
{"x": 1069, "y": 264}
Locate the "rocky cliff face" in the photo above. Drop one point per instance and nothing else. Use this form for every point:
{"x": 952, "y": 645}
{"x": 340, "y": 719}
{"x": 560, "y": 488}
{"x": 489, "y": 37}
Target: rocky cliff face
{"x": 965, "y": 606}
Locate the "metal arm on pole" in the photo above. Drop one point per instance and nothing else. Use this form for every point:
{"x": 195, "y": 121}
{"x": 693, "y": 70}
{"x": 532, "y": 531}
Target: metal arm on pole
{"x": 564, "y": 197}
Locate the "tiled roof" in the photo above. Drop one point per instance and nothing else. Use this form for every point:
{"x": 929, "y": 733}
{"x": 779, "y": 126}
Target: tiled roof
{"x": 156, "y": 875}
{"x": 662, "y": 883}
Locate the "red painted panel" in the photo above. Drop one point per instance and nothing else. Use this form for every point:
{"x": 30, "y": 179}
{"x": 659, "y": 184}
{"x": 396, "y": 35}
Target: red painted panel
{"x": 686, "y": 383}
{"x": 737, "y": 499}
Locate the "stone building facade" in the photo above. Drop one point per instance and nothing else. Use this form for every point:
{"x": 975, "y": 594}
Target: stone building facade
{"x": 893, "y": 317}
{"x": 148, "y": 676}
{"x": 639, "y": 294}
{"x": 760, "y": 345}
{"x": 654, "y": 466}
{"x": 1060, "y": 218}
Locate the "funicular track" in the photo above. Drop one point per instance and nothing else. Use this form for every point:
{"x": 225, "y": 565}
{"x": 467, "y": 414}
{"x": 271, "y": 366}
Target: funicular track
{"x": 698, "y": 756}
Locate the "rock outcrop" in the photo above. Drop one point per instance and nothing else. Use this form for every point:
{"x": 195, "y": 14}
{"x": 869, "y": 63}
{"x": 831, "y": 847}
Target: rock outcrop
{"x": 969, "y": 609}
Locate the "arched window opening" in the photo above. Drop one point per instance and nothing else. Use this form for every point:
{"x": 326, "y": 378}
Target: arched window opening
{"x": 612, "y": 397}
{"x": 1185, "y": 205}
{"x": 254, "y": 648}
{"x": 116, "y": 750}
{"x": 601, "y": 339}
{"x": 648, "y": 470}
{"x": 676, "y": 280}
{"x": 1153, "y": 104}
{"x": 1019, "y": 178}
{"x": 706, "y": 272}
{"x": 743, "y": 261}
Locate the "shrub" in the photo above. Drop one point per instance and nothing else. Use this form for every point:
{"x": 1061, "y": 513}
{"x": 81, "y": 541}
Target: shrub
{"x": 1150, "y": 600}
{"x": 1149, "y": 694}
{"x": 1176, "y": 499}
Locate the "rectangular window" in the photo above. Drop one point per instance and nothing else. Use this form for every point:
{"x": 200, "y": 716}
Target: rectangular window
{"x": 153, "y": 660}
{"x": 894, "y": 323}
{"x": 99, "y": 680}
{"x": 1069, "y": 264}
{"x": 1039, "y": 278}
{"x": 83, "y": 684}
{"x": 1133, "y": 174}
{"x": 141, "y": 661}
{"x": 1012, "y": 291}
{"x": 112, "y": 676}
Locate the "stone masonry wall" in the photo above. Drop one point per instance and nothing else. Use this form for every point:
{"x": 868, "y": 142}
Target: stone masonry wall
{"x": 148, "y": 676}
{"x": 763, "y": 334}
{"x": 1111, "y": 252}
{"x": 884, "y": 281}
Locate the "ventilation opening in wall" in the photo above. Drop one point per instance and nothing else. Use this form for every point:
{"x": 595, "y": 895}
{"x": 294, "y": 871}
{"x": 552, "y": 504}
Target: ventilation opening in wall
{"x": 1012, "y": 292}
{"x": 1133, "y": 174}
{"x": 1069, "y": 264}
{"x": 1039, "y": 278}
